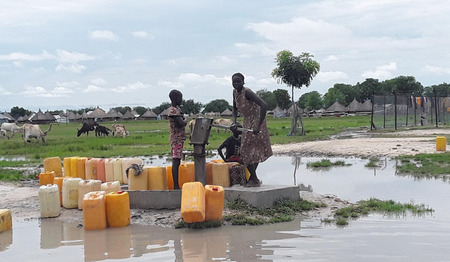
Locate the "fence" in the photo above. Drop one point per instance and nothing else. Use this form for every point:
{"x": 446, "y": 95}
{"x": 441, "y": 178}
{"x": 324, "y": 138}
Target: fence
{"x": 404, "y": 110}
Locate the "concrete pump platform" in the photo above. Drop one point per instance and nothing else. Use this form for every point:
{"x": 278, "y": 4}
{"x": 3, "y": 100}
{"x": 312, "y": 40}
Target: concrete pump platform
{"x": 264, "y": 196}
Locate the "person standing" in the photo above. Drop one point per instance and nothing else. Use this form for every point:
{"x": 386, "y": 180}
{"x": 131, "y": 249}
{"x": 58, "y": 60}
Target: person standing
{"x": 255, "y": 146}
{"x": 177, "y": 125}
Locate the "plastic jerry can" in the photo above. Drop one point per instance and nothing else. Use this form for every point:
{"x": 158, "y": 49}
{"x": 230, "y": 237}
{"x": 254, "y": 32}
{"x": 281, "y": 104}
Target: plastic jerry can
{"x": 126, "y": 163}
{"x": 86, "y": 186}
{"x": 169, "y": 177}
{"x": 66, "y": 166}
{"x": 5, "y": 220}
{"x": 59, "y": 181}
{"x": 70, "y": 192}
{"x": 53, "y": 164}
{"x": 74, "y": 166}
{"x": 49, "y": 201}
{"x": 94, "y": 210}
{"x": 156, "y": 178}
{"x": 101, "y": 175}
{"x": 137, "y": 181}
{"x": 109, "y": 170}
{"x": 209, "y": 173}
{"x": 91, "y": 168}
{"x": 46, "y": 178}
{"x": 117, "y": 165}
{"x": 193, "y": 202}
{"x": 118, "y": 209}
{"x": 186, "y": 173}
{"x": 109, "y": 187}
{"x": 441, "y": 143}
{"x": 221, "y": 174}
{"x": 214, "y": 198}
{"x": 81, "y": 167}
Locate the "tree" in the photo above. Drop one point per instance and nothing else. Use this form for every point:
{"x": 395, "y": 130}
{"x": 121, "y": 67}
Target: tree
{"x": 295, "y": 71}
{"x": 268, "y": 97}
{"x": 283, "y": 98}
{"x": 312, "y": 101}
{"x": 17, "y": 112}
{"x": 405, "y": 85}
{"x": 217, "y": 105}
{"x": 441, "y": 90}
{"x": 163, "y": 106}
{"x": 350, "y": 92}
{"x": 190, "y": 107}
{"x": 332, "y": 96}
{"x": 121, "y": 109}
{"x": 368, "y": 88}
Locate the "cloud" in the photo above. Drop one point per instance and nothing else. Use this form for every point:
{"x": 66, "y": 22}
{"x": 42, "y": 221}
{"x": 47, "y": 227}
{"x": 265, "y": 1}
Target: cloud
{"x": 75, "y": 68}
{"x": 170, "y": 84}
{"x": 39, "y": 91}
{"x": 65, "y": 56}
{"x": 382, "y": 72}
{"x": 437, "y": 69}
{"x": 20, "y": 56}
{"x": 331, "y": 76}
{"x": 331, "y": 58}
{"x": 103, "y": 35}
{"x": 142, "y": 34}
{"x": 4, "y": 92}
{"x": 129, "y": 87}
{"x": 93, "y": 89}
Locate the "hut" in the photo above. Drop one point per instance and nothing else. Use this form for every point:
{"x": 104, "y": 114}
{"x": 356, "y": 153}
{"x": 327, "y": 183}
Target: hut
{"x": 164, "y": 114}
{"x": 71, "y": 116}
{"x": 128, "y": 116}
{"x": 112, "y": 115}
{"x": 355, "y": 106}
{"x": 278, "y": 112}
{"x": 366, "y": 106}
{"x": 97, "y": 115}
{"x": 10, "y": 118}
{"x": 3, "y": 118}
{"x": 135, "y": 114}
{"x": 41, "y": 118}
{"x": 290, "y": 111}
{"x": 148, "y": 115}
{"x": 226, "y": 112}
{"x": 336, "y": 107}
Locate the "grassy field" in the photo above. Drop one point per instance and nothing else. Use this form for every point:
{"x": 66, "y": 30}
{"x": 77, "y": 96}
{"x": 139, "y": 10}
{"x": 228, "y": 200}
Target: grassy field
{"x": 148, "y": 138}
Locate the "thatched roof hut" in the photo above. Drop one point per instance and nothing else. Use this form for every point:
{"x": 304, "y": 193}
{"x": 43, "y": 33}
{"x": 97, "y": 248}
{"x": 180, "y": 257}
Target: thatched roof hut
{"x": 149, "y": 115}
{"x": 98, "y": 113}
{"x": 113, "y": 115}
{"x": 336, "y": 107}
{"x": 128, "y": 115}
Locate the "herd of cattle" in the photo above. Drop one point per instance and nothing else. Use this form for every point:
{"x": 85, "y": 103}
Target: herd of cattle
{"x": 29, "y": 131}
{"x": 118, "y": 130}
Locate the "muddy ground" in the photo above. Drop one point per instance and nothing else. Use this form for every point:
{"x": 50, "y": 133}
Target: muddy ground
{"x": 22, "y": 198}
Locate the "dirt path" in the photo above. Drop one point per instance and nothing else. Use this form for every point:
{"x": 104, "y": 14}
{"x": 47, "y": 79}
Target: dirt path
{"x": 22, "y": 199}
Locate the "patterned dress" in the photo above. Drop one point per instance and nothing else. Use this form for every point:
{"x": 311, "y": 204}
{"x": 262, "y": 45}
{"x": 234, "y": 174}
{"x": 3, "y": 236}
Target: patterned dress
{"x": 254, "y": 148}
{"x": 177, "y": 135}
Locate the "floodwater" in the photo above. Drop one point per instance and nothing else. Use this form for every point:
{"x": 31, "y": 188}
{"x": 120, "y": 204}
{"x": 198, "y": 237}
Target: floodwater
{"x": 372, "y": 238}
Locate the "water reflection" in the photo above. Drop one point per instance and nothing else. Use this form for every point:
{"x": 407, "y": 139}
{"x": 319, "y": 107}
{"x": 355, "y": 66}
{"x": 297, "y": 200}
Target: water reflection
{"x": 6, "y": 239}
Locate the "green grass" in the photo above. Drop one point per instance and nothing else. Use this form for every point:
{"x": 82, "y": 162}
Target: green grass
{"x": 15, "y": 175}
{"x": 373, "y": 205}
{"x": 324, "y": 163}
{"x": 373, "y": 162}
{"x": 425, "y": 165}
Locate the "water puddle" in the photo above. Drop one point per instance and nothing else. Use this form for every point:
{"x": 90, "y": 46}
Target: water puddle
{"x": 372, "y": 238}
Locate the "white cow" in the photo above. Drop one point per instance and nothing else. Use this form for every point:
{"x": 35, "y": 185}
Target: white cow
{"x": 121, "y": 131}
{"x": 11, "y": 127}
{"x": 3, "y": 134}
{"x": 222, "y": 122}
{"x": 34, "y": 131}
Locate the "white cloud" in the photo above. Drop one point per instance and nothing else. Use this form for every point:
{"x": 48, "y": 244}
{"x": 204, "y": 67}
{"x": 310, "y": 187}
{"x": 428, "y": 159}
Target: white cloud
{"x": 103, "y": 35}
{"x": 20, "y": 56}
{"x": 98, "y": 82}
{"x": 170, "y": 84}
{"x": 437, "y": 69}
{"x": 39, "y": 91}
{"x": 331, "y": 58}
{"x": 4, "y": 92}
{"x": 142, "y": 34}
{"x": 75, "y": 68}
{"x": 382, "y": 72}
{"x": 331, "y": 76}
{"x": 93, "y": 89}
{"x": 129, "y": 87}
{"x": 65, "y": 56}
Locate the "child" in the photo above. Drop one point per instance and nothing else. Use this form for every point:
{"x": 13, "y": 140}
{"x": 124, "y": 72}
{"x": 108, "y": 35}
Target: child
{"x": 177, "y": 125}
{"x": 232, "y": 146}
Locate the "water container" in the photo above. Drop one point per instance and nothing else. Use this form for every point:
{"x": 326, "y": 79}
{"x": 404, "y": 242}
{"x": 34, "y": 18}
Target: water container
{"x": 156, "y": 176}
{"x": 59, "y": 181}
{"x": 49, "y": 201}
{"x": 214, "y": 197}
{"x": 126, "y": 163}
{"x": 169, "y": 177}
{"x": 66, "y": 166}
{"x": 221, "y": 174}
{"x": 94, "y": 210}
{"x": 5, "y": 220}
{"x": 109, "y": 187}
{"x": 441, "y": 143}
{"x": 46, "y": 178}
{"x": 118, "y": 209}
{"x": 117, "y": 165}
{"x": 109, "y": 170}
{"x": 70, "y": 192}
{"x": 85, "y": 187}
{"x": 101, "y": 175}
{"x": 193, "y": 202}
{"x": 137, "y": 182}
{"x": 53, "y": 164}
{"x": 74, "y": 166}
{"x": 81, "y": 167}
{"x": 91, "y": 168}
{"x": 209, "y": 173}
{"x": 186, "y": 173}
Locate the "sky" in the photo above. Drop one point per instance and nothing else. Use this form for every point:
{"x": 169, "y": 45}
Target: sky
{"x": 58, "y": 55}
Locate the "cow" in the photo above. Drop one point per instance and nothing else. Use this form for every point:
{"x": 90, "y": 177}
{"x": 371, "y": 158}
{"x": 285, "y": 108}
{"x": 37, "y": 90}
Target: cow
{"x": 121, "y": 131}
{"x": 101, "y": 130}
{"x": 222, "y": 122}
{"x": 120, "y": 127}
{"x": 11, "y": 127}
{"x": 191, "y": 125}
{"x": 34, "y": 131}
{"x": 3, "y": 134}
{"x": 87, "y": 126}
